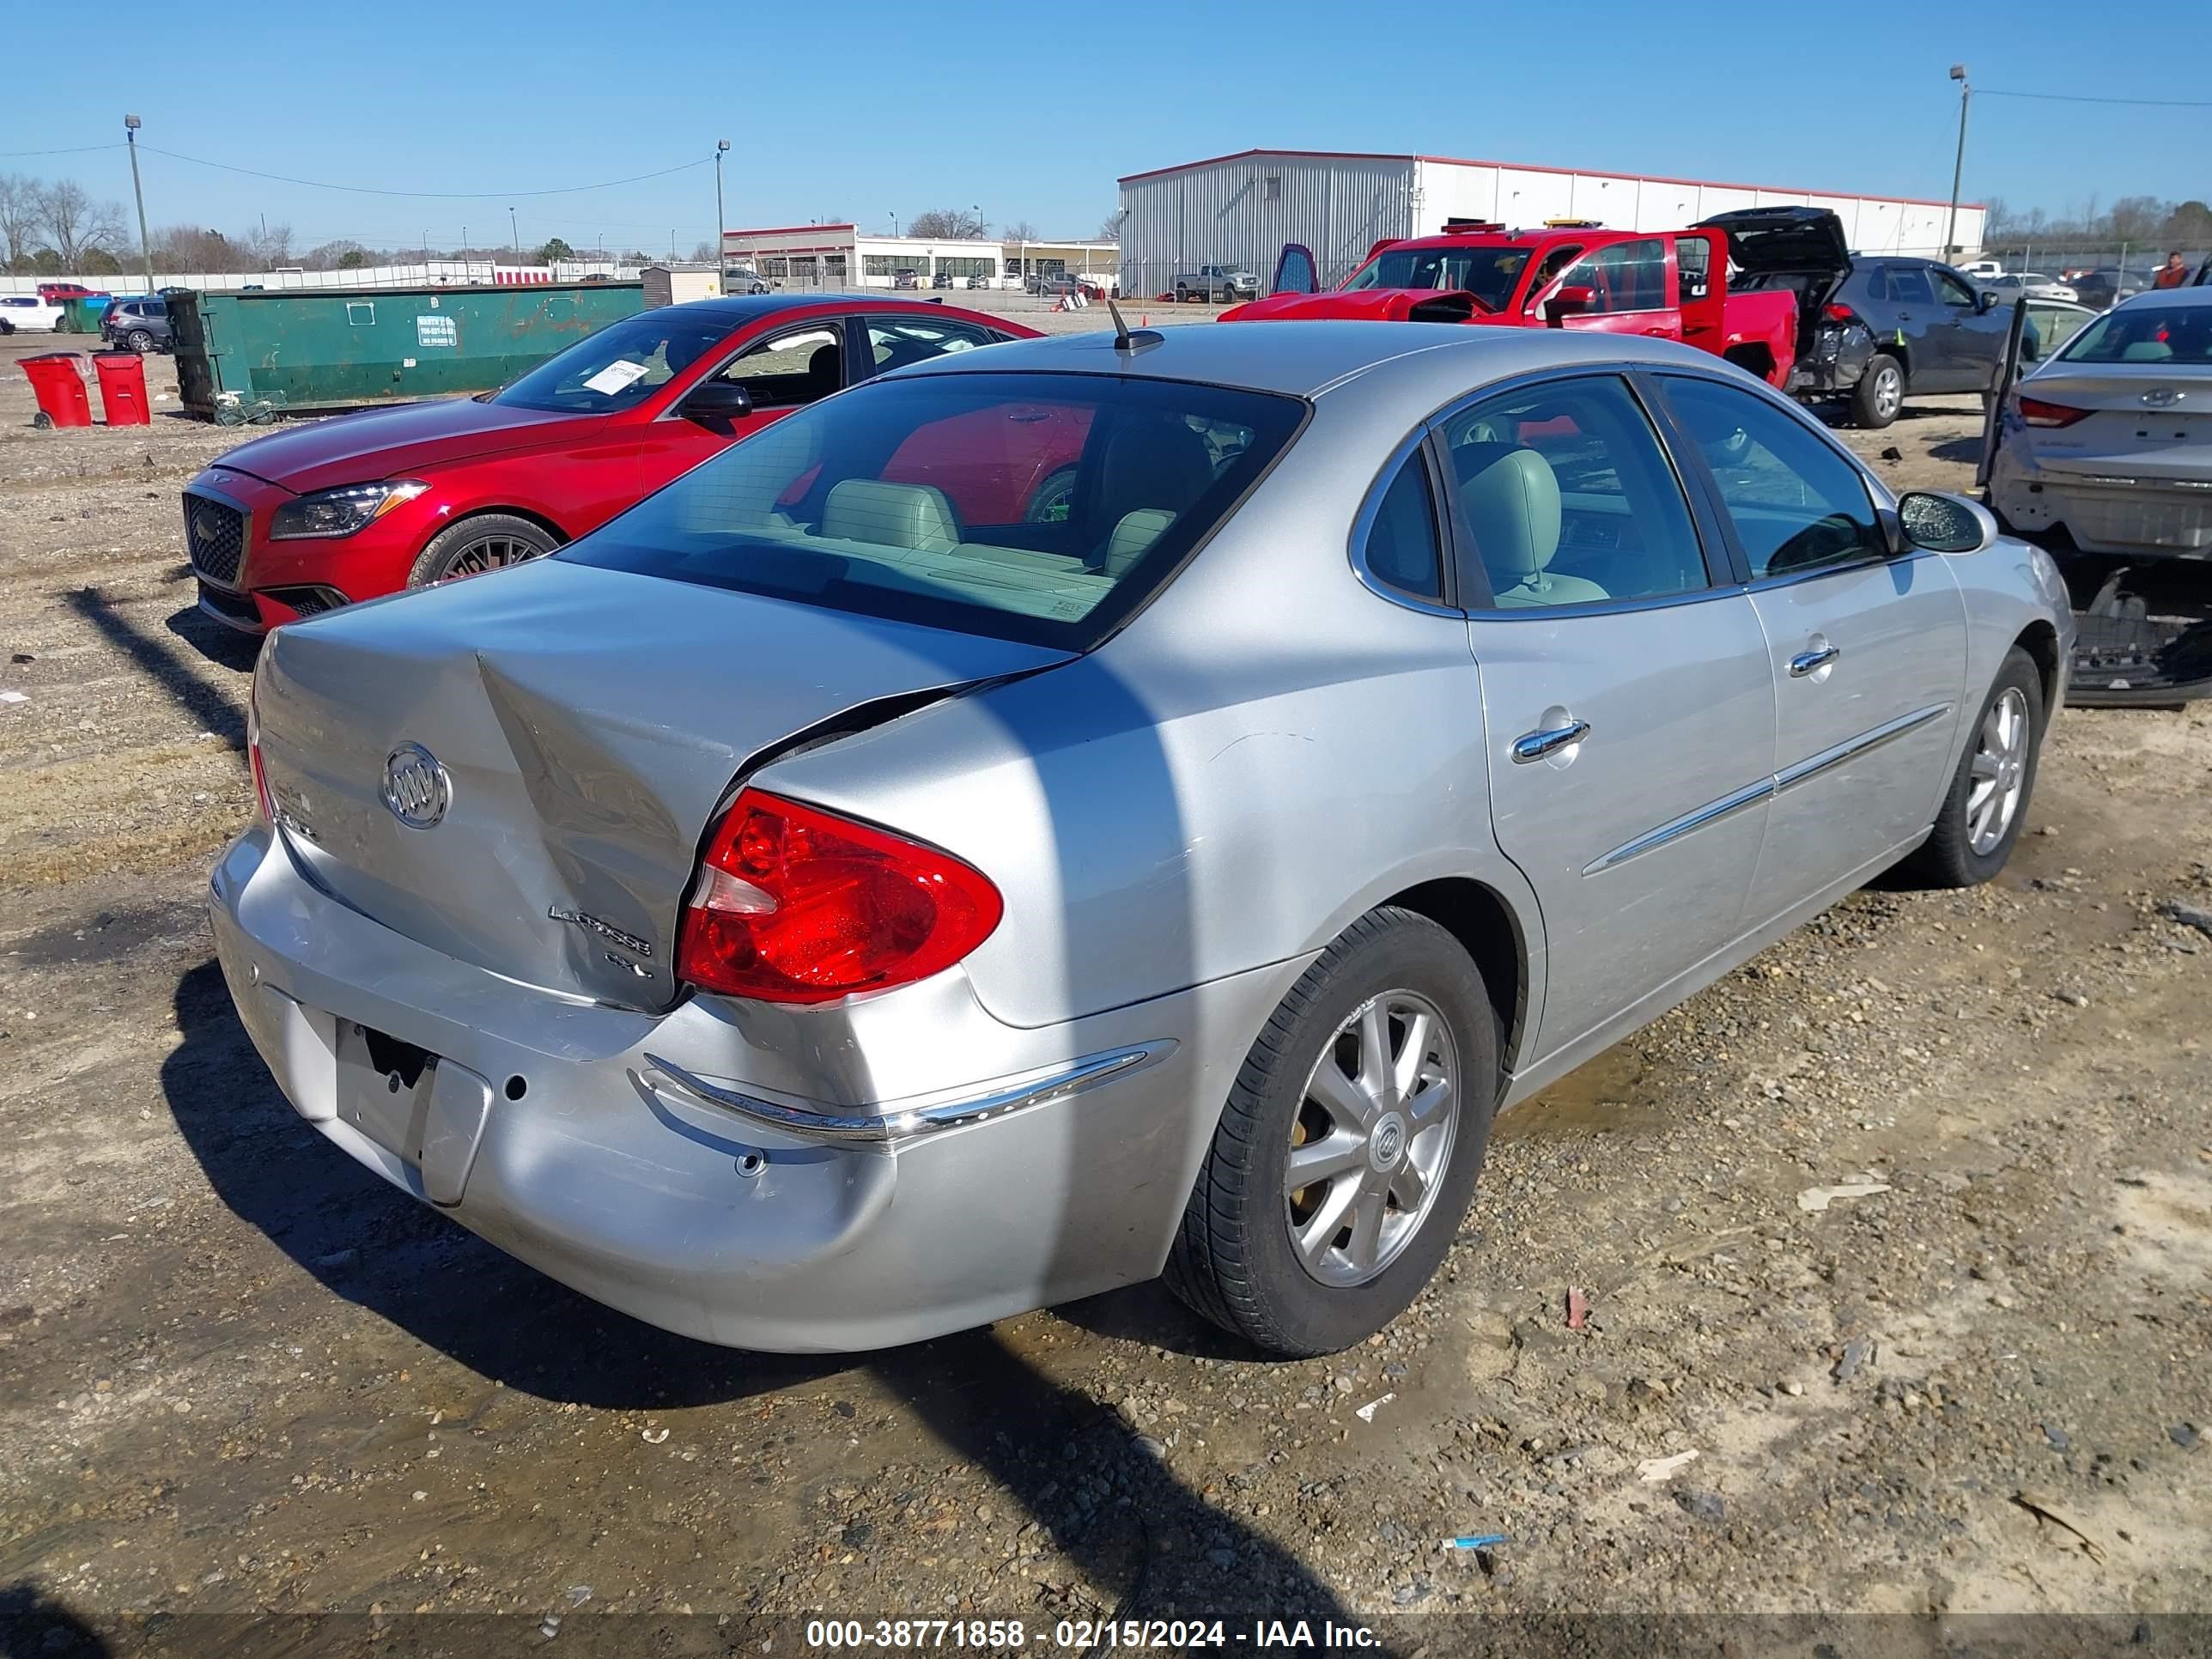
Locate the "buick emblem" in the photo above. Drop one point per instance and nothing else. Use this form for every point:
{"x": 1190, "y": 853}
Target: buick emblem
{"x": 416, "y": 787}
{"x": 2163, "y": 397}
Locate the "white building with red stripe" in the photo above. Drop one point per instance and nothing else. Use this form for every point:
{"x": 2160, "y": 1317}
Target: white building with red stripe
{"x": 1238, "y": 211}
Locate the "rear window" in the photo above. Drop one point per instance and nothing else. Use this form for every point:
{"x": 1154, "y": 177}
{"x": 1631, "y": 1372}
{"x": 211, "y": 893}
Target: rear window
{"x": 622, "y": 365}
{"x": 1038, "y": 507}
{"x": 2155, "y": 334}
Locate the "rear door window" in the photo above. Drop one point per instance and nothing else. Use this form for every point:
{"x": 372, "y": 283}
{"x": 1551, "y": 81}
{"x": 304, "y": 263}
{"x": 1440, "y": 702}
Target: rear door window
{"x": 895, "y": 342}
{"x": 1908, "y": 286}
{"x": 1033, "y": 506}
{"x": 1570, "y": 498}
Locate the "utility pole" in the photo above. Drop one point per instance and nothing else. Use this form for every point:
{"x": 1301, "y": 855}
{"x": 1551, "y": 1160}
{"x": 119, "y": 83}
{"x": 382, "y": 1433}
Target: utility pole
{"x": 1959, "y": 165}
{"x": 514, "y": 236}
{"x": 895, "y": 226}
{"x": 721, "y": 223}
{"x": 145, "y": 245}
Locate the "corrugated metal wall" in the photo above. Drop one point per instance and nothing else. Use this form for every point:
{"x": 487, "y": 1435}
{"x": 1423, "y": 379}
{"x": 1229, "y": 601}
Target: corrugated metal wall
{"x": 1528, "y": 196}
{"x": 1241, "y": 211}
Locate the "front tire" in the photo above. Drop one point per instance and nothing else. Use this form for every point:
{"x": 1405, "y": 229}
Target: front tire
{"x": 1987, "y": 803}
{"x": 1880, "y": 394}
{"x": 139, "y": 341}
{"x": 488, "y": 542}
{"x": 1350, "y": 1145}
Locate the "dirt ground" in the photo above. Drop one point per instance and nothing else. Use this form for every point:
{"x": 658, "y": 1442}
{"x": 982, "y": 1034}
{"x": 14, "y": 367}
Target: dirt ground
{"x": 253, "y": 1401}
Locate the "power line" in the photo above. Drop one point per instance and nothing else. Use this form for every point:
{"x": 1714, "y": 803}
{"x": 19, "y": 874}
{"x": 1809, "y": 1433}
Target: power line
{"x": 81, "y": 150}
{"x": 2082, "y": 98}
{"x": 422, "y": 195}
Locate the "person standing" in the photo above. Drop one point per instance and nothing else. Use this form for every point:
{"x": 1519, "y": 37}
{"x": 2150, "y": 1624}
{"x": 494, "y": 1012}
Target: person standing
{"x": 2174, "y": 273}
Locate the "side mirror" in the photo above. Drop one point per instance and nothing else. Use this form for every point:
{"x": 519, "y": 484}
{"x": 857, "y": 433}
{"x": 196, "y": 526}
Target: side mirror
{"x": 1944, "y": 524}
{"x": 1985, "y": 302}
{"x": 1569, "y": 303}
{"x": 717, "y": 400}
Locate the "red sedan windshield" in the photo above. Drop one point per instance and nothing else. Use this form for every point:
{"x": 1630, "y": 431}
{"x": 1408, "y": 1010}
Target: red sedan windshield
{"x": 619, "y": 367}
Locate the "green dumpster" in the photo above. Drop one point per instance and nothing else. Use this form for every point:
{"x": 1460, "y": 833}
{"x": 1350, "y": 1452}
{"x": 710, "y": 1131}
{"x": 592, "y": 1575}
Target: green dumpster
{"x": 83, "y": 316}
{"x": 249, "y": 356}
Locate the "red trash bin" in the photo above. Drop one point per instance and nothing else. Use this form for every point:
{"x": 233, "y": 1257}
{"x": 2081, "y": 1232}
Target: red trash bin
{"x": 58, "y": 385}
{"x": 122, "y": 387}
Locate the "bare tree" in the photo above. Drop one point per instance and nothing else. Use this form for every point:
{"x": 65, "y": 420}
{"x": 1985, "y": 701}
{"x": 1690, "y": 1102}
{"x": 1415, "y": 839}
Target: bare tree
{"x": 269, "y": 246}
{"x": 77, "y": 223}
{"x": 20, "y": 213}
{"x": 946, "y": 224}
{"x": 1022, "y": 230}
{"x": 2137, "y": 219}
{"x": 1110, "y": 228}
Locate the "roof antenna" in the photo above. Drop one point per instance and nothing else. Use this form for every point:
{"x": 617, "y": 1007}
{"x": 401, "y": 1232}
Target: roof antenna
{"x": 1121, "y": 340}
{"x": 1126, "y": 338}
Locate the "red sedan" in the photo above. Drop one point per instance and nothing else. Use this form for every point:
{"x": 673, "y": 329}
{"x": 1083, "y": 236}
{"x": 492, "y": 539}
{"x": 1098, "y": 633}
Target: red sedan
{"x": 326, "y": 514}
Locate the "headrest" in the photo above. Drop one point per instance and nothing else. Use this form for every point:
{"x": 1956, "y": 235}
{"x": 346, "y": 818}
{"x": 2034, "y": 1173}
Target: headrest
{"x": 1132, "y": 537}
{"x": 915, "y": 516}
{"x": 1512, "y": 507}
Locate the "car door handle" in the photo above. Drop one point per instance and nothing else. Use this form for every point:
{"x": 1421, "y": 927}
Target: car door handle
{"x": 1810, "y": 662}
{"x": 1534, "y": 745}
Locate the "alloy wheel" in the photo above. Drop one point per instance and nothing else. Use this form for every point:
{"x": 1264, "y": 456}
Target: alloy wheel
{"x": 487, "y": 553}
{"x": 1372, "y": 1138}
{"x": 1999, "y": 773}
{"x": 1888, "y": 392}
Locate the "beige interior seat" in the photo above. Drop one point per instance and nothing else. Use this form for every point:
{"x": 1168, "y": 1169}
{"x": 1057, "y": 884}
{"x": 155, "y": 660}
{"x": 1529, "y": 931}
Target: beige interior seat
{"x": 914, "y": 516}
{"x": 1133, "y": 537}
{"x": 1511, "y": 499}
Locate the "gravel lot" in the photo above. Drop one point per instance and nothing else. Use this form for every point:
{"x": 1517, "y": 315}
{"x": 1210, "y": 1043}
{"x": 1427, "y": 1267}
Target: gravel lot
{"x": 252, "y": 1400}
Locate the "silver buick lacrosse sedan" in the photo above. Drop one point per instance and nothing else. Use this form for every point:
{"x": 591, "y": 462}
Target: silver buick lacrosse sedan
{"x": 1102, "y": 806}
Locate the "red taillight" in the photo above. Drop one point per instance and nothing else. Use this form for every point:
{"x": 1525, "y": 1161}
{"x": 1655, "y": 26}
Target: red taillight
{"x": 262, "y": 803}
{"x": 794, "y": 904}
{"x": 2036, "y": 412}
{"x": 1839, "y": 314}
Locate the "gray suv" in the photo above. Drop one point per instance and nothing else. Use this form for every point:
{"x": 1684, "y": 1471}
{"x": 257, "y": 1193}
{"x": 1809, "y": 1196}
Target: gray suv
{"x": 1873, "y": 329}
{"x": 139, "y": 326}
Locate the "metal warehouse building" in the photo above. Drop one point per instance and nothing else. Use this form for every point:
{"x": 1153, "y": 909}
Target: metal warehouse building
{"x": 1240, "y": 209}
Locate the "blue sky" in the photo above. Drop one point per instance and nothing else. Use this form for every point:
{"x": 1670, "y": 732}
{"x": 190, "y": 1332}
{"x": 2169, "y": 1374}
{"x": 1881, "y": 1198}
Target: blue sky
{"x": 1031, "y": 111}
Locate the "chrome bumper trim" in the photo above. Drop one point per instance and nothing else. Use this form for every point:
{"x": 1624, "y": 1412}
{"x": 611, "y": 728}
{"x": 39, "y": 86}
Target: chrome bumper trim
{"x": 888, "y": 1128}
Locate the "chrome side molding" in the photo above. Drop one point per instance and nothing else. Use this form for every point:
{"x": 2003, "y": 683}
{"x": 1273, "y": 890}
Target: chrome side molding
{"x": 888, "y": 1128}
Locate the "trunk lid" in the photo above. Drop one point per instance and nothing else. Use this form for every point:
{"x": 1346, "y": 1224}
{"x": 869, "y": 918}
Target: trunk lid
{"x": 1773, "y": 238}
{"x": 2146, "y": 420}
{"x": 580, "y": 725}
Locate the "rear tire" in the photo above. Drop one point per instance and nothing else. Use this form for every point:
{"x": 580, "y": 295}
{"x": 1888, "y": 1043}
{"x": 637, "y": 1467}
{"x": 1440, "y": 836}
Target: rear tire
{"x": 1374, "y": 1229}
{"x": 1880, "y": 394}
{"x": 1974, "y": 834}
{"x": 489, "y": 541}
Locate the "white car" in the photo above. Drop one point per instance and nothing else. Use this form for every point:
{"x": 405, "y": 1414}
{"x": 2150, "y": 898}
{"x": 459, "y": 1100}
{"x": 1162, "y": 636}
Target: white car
{"x": 1981, "y": 268}
{"x": 2110, "y": 439}
{"x": 27, "y": 313}
{"x": 2011, "y": 284}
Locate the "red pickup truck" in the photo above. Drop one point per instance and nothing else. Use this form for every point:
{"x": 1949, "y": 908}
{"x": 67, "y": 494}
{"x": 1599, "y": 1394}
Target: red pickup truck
{"x": 1671, "y": 284}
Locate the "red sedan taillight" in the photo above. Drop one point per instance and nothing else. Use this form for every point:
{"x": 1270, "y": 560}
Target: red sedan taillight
{"x": 794, "y": 904}
{"x": 2036, "y": 412}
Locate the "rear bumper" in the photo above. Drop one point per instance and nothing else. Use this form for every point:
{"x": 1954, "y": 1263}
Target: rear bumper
{"x": 633, "y": 1157}
{"x": 1836, "y": 362}
{"x": 2114, "y": 513}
